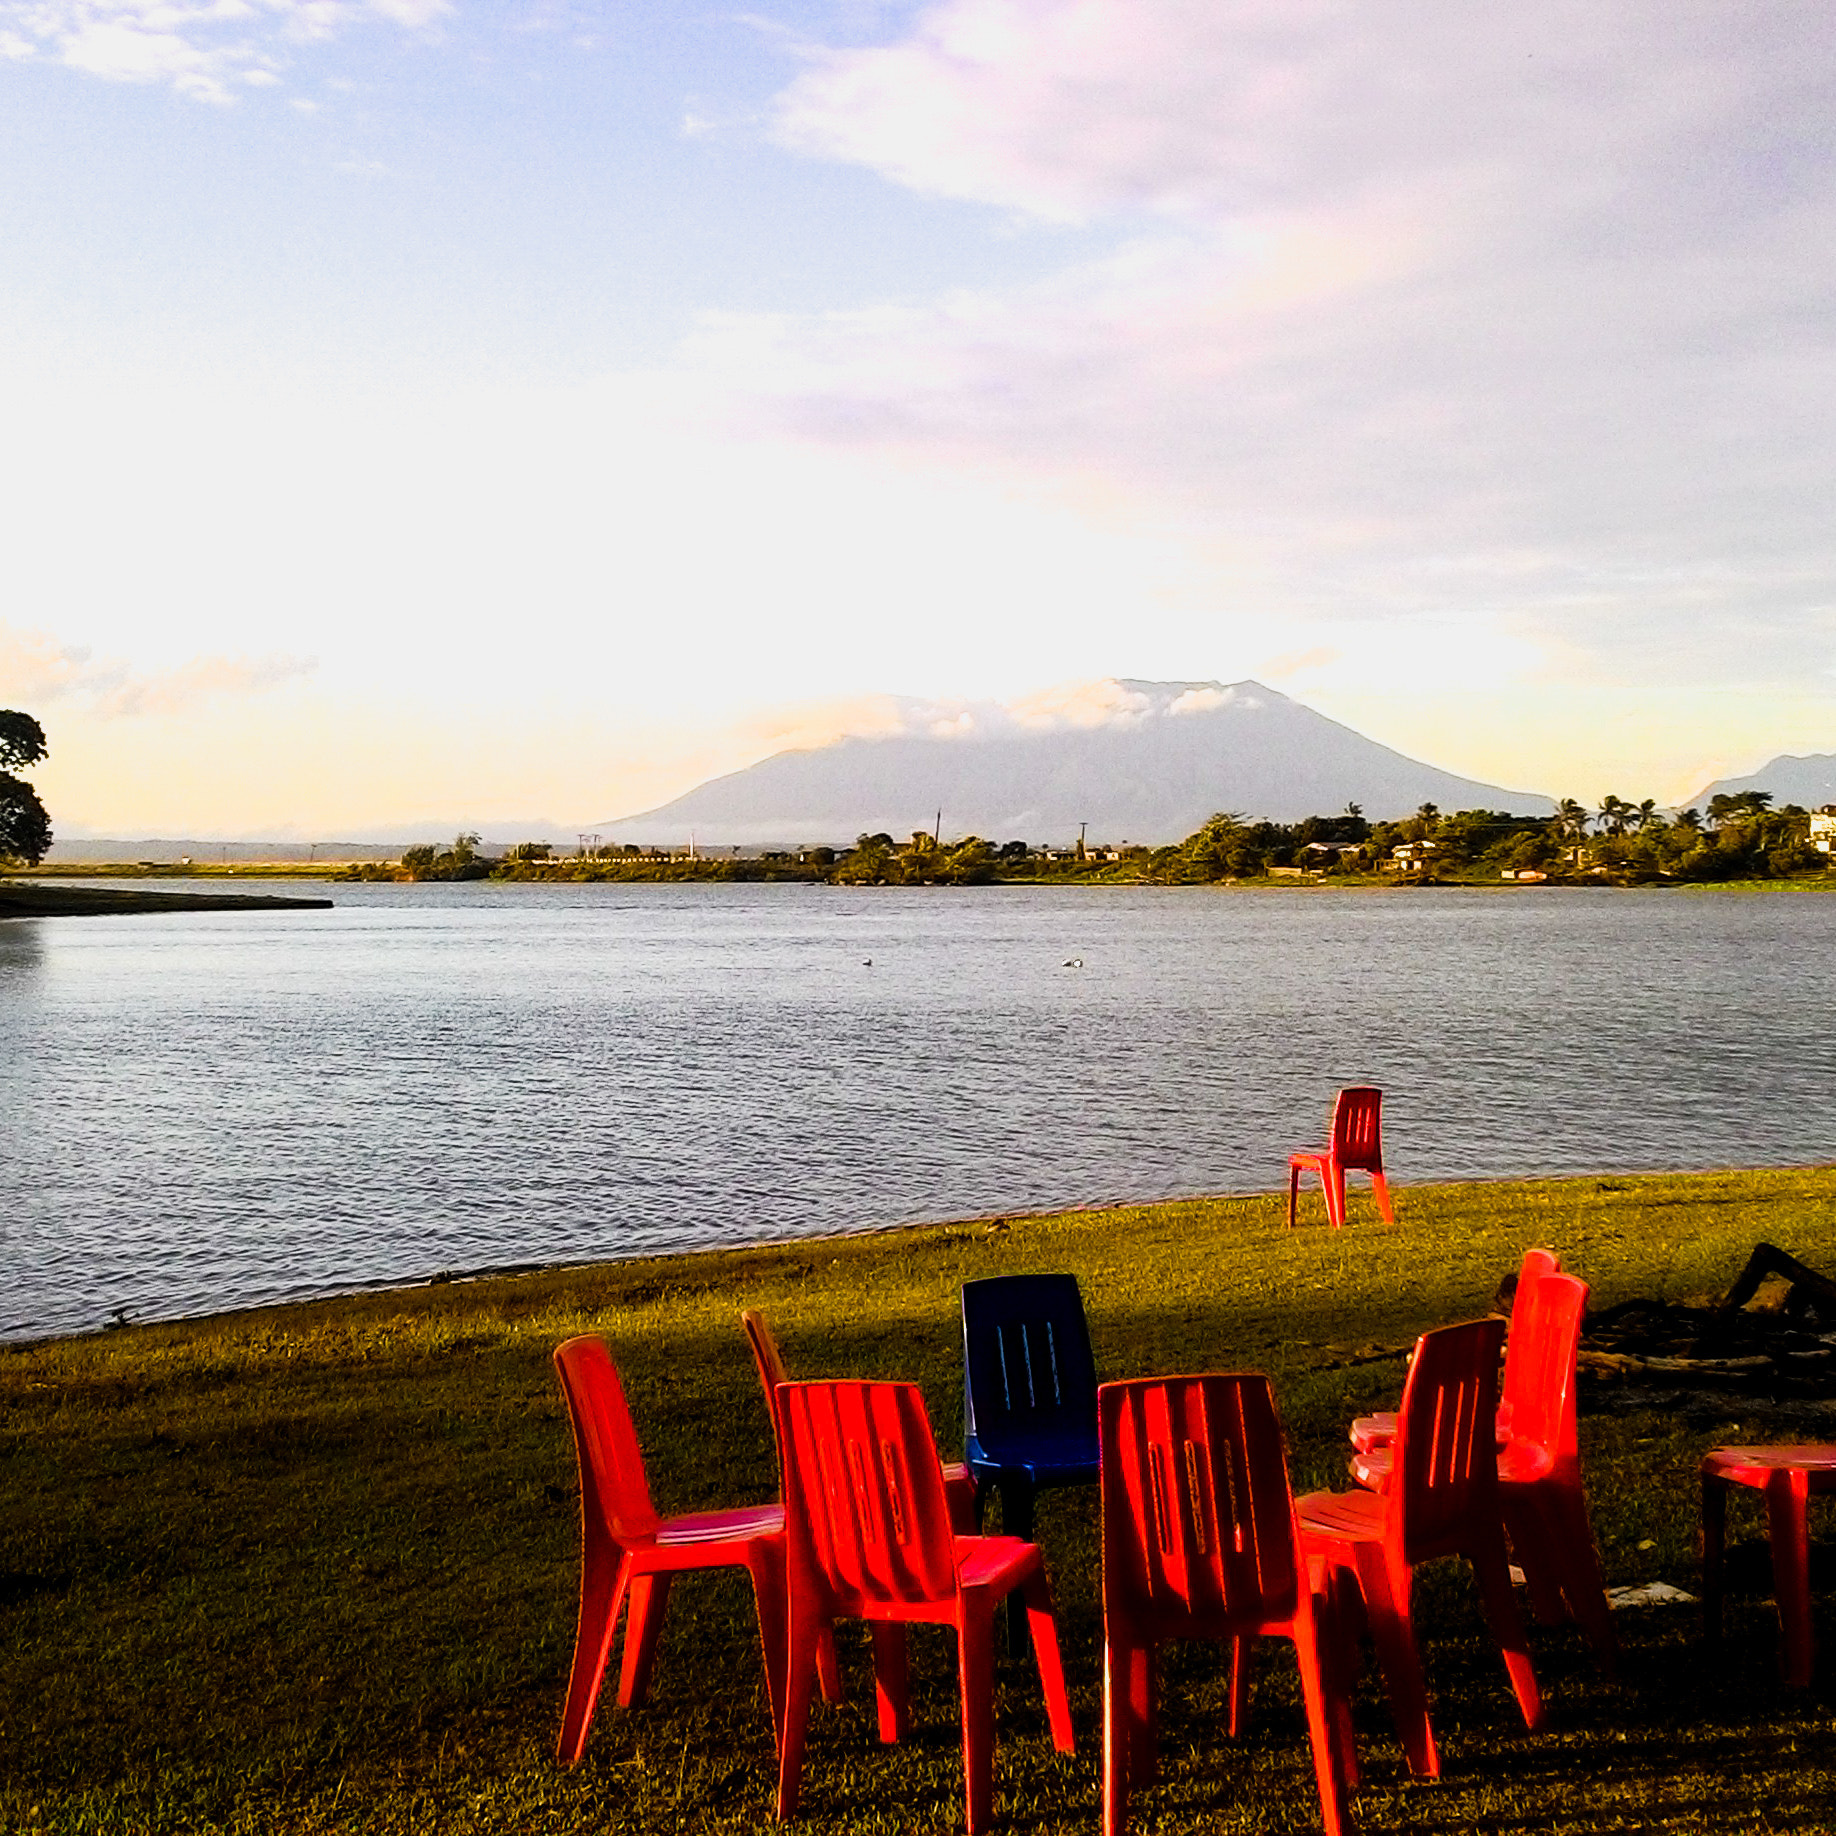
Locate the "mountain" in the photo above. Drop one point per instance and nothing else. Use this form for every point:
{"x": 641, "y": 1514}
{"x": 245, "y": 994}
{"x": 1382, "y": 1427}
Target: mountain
{"x": 1135, "y": 761}
{"x": 1809, "y": 781}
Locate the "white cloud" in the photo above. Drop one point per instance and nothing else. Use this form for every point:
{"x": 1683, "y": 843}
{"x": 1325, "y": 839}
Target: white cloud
{"x": 203, "y": 48}
{"x": 39, "y": 670}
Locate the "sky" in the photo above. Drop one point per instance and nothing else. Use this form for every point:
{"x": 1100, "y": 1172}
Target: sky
{"x": 423, "y": 411}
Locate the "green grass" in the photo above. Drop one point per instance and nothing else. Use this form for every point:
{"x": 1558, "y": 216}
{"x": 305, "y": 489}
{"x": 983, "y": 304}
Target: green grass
{"x": 313, "y": 1568}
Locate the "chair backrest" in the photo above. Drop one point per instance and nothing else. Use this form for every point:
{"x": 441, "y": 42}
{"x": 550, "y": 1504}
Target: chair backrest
{"x": 1357, "y": 1128}
{"x": 1027, "y": 1363}
{"x": 1540, "y": 1365}
{"x": 612, "y": 1481}
{"x": 864, "y": 1495}
{"x": 1537, "y": 1264}
{"x": 1446, "y": 1454}
{"x": 765, "y": 1354}
{"x": 1199, "y": 1534}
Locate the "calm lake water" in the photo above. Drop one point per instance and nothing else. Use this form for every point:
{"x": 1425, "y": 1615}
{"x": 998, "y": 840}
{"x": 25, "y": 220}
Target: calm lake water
{"x": 207, "y": 1112}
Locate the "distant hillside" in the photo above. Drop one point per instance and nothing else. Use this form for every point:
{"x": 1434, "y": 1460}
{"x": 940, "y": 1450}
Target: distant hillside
{"x": 1809, "y": 781}
{"x": 1137, "y": 761}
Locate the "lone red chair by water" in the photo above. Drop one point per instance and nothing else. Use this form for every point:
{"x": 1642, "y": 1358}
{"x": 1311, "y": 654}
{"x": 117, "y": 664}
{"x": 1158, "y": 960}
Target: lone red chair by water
{"x": 1356, "y": 1146}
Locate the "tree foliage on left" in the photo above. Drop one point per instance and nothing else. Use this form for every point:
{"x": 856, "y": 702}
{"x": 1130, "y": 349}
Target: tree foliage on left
{"x": 25, "y": 828}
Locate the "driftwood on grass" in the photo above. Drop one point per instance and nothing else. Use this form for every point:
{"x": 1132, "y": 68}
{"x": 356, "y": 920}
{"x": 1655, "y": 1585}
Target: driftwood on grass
{"x": 1787, "y": 1349}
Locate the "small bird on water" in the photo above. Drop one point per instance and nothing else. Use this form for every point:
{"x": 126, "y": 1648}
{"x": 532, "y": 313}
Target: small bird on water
{"x": 1074, "y": 962}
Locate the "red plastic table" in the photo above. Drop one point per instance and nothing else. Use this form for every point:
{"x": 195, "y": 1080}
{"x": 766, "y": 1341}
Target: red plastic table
{"x": 1788, "y": 1477}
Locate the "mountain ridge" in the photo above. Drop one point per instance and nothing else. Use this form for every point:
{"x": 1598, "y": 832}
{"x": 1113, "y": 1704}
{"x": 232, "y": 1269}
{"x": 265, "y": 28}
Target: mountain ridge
{"x": 1127, "y": 758}
{"x": 1807, "y": 778}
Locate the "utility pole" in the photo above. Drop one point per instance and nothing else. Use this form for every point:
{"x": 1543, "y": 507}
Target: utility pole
{"x": 937, "y": 833}
{"x": 1081, "y": 827}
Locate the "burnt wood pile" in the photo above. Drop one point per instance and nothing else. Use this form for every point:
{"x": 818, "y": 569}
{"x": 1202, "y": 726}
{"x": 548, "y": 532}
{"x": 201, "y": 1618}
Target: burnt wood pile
{"x": 1772, "y": 1334}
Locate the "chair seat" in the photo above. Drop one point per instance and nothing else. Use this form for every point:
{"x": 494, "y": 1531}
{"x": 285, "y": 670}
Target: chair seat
{"x": 697, "y": 1529}
{"x": 1342, "y": 1517}
{"x": 1369, "y": 1431}
{"x": 1519, "y": 1463}
{"x": 1756, "y": 1465}
{"x": 994, "y": 1561}
{"x": 1054, "y": 1456}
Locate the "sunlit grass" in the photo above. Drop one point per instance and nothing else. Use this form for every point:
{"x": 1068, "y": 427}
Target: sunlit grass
{"x": 313, "y": 1568}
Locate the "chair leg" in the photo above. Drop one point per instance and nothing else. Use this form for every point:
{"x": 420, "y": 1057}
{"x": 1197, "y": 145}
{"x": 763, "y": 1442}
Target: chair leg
{"x": 1788, "y": 1529}
{"x": 799, "y": 1687}
{"x": 828, "y": 1670}
{"x": 1344, "y": 1626}
{"x": 1563, "y": 1508}
{"x": 1532, "y": 1543}
{"x": 1144, "y": 1763}
{"x": 1037, "y": 1594}
{"x": 1294, "y": 1174}
{"x": 975, "y": 1660}
{"x": 602, "y": 1595}
{"x": 643, "y": 1624}
{"x": 1380, "y": 1188}
{"x": 963, "y": 1497}
{"x": 1017, "y": 1497}
{"x": 1239, "y": 1685}
{"x": 1118, "y": 1732}
{"x": 1335, "y": 1195}
{"x": 1714, "y": 1546}
{"x": 1317, "y": 1678}
{"x": 766, "y": 1567}
{"x": 1494, "y": 1575}
{"x": 891, "y": 1680}
{"x": 1386, "y": 1604}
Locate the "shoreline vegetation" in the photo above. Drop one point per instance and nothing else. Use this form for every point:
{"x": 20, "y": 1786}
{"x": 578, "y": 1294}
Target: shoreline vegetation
{"x": 1739, "y": 839}
{"x": 313, "y": 1568}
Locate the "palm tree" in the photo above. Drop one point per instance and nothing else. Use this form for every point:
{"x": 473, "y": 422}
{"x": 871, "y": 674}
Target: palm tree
{"x": 1613, "y": 814}
{"x": 1644, "y": 815}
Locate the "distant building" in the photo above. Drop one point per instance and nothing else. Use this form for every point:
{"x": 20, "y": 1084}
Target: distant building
{"x": 1408, "y": 857}
{"x": 1823, "y": 831}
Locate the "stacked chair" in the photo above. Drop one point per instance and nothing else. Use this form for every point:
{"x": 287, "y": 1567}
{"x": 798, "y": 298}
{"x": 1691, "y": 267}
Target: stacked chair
{"x": 1442, "y": 1500}
{"x": 1539, "y": 1456}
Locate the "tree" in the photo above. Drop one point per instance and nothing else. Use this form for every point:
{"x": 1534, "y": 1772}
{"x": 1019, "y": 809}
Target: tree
{"x": 25, "y": 827}
{"x": 1615, "y": 813}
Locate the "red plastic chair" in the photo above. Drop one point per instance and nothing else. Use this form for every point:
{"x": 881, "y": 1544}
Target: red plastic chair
{"x": 959, "y": 1486}
{"x": 1539, "y": 1463}
{"x": 1356, "y": 1146}
{"x": 1200, "y": 1541}
{"x": 1443, "y": 1501}
{"x": 870, "y": 1538}
{"x": 1379, "y": 1430}
{"x": 628, "y": 1551}
{"x": 1788, "y": 1477}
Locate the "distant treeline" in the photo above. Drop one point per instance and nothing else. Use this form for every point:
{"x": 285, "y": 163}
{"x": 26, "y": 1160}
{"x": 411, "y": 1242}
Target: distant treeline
{"x": 1737, "y": 838}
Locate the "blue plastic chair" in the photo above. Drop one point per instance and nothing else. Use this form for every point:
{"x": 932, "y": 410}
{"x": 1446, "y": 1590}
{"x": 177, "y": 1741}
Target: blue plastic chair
{"x": 1029, "y": 1391}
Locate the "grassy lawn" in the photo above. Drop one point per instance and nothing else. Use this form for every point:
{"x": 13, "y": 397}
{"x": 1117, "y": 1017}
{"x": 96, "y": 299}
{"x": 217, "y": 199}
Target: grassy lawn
{"x": 313, "y": 1568}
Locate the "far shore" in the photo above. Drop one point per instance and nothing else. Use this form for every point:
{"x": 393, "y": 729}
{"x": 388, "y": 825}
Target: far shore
{"x": 24, "y": 899}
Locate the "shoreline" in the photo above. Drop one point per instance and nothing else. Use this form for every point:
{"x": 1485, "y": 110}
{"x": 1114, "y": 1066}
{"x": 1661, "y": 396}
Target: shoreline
{"x": 28, "y": 900}
{"x": 982, "y": 1225}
